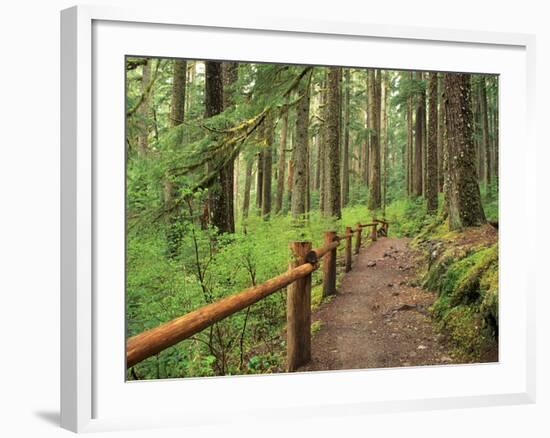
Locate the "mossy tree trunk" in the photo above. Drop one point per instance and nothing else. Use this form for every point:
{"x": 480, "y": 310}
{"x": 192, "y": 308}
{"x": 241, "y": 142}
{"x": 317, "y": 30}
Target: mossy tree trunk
{"x": 485, "y": 129}
{"x": 418, "y": 141}
{"x": 322, "y": 145}
{"x": 440, "y": 132}
{"x": 300, "y": 152}
{"x": 144, "y": 110}
{"x": 332, "y": 135}
{"x": 177, "y": 115}
{"x": 410, "y": 143}
{"x": 267, "y": 163}
{"x": 345, "y": 143}
{"x": 431, "y": 153}
{"x": 374, "y": 150}
{"x": 281, "y": 163}
{"x": 464, "y": 203}
{"x": 221, "y": 203}
{"x": 259, "y": 181}
{"x": 384, "y": 136}
{"x": 247, "y": 185}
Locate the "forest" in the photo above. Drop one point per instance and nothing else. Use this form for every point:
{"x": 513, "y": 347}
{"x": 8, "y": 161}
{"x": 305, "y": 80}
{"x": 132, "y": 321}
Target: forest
{"x": 227, "y": 162}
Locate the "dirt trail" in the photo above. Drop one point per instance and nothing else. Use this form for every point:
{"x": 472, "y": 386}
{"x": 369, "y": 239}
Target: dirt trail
{"x": 377, "y": 319}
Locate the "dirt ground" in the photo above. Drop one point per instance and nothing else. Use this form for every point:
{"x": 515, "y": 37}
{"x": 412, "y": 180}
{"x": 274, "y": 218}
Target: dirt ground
{"x": 378, "y": 319}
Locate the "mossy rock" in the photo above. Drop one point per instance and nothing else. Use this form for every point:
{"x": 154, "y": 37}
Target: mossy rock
{"x": 466, "y": 279}
{"x": 466, "y": 331}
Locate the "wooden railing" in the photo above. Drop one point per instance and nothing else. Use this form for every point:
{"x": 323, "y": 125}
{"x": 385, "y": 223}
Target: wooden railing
{"x": 297, "y": 279}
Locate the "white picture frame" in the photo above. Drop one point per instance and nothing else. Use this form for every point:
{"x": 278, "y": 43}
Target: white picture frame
{"x": 92, "y": 386}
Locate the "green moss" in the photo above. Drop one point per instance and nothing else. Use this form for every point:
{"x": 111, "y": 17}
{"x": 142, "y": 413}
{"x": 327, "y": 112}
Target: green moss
{"x": 467, "y": 306}
{"x": 316, "y": 296}
{"x": 464, "y": 328}
{"x": 315, "y": 326}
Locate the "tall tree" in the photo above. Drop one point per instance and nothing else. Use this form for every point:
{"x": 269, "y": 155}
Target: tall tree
{"x": 322, "y": 143}
{"x": 440, "y": 131}
{"x": 418, "y": 140}
{"x": 384, "y": 135}
{"x": 247, "y": 185}
{"x": 221, "y": 204}
{"x": 300, "y": 152}
{"x": 485, "y": 128}
{"x": 290, "y": 179}
{"x": 375, "y": 200}
{"x": 496, "y": 128}
{"x": 268, "y": 164}
{"x": 177, "y": 114}
{"x": 345, "y": 143}
{"x": 144, "y": 109}
{"x": 332, "y": 135}
{"x": 281, "y": 162}
{"x": 464, "y": 204}
{"x": 179, "y": 85}
{"x": 230, "y": 75}
{"x": 410, "y": 148}
{"x": 431, "y": 153}
{"x": 260, "y": 181}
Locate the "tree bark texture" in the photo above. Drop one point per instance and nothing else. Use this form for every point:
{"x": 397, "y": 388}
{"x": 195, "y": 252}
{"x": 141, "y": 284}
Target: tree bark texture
{"x": 345, "y": 143}
{"x": 333, "y": 143}
{"x": 299, "y": 162}
{"x": 431, "y": 153}
{"x": 464, "y": 203}
{"x": 374, "y": 153}
{"x": 418, "y": 142}
{"x": 221, "y": 192}
{"x": 281, "y": 163}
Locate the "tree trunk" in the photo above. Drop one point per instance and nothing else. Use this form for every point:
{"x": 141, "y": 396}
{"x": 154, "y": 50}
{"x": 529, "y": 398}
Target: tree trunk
{"x": 485, "y": 129}
{"x": 364, "y": 164}
{"x": 247, "y": 184}
{"x": 440, "y": 132}
{"x": 465, "y": 208}
{"x": 290, "y": 179}
{"x": 410, "y": 148}
{"x": 322, "y": 145}
{"x": 317, "y": 185}
{"x": 424, "y": 77}
{"x": 267, "y": 162}
{"x": 177, "y": 115}
{"x": 496, "y": 132}
{"x": 221, "y": 192}
{"x": 479, "y": 146}
{"x": 374, "y": 155}
{"x": 143, "y": 110}
{"x": 281, "y": 163}
{"x": 431, "y": 153}
{"x": 260, "y": 181}
{"x": 300, "y": 152}
{"x": 384, "y": 136}
{"x": 345, "y": 144}
{"x": 333, "y": 143}
{"x": 418, "y": 153}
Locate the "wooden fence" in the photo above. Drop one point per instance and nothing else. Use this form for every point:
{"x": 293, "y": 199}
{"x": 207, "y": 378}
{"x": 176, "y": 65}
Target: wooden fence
{"x": 297, "y": 279}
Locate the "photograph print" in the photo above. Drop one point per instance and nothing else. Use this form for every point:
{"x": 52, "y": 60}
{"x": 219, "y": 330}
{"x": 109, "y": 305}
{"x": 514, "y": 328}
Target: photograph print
{"x": 297, "y": 218}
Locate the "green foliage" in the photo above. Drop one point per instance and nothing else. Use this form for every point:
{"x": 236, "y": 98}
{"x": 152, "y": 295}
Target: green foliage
{"x": 489, "y": 197}
{"x": 467, "y": 305}
{"x": 176, "y": 262}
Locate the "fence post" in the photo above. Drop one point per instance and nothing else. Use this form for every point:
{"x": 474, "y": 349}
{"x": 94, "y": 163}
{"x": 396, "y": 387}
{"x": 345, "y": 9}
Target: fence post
{"x": 298, "y": 311}
{"x": 374, "y": 233}
{"x": 348, "y": 249}
{"x": 329, "y": 266}
{"x": 358, "y": 238}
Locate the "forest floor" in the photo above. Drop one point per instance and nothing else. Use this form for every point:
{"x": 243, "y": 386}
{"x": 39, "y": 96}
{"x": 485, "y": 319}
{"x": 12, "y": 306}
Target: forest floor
{"x": 379, "y": 318}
